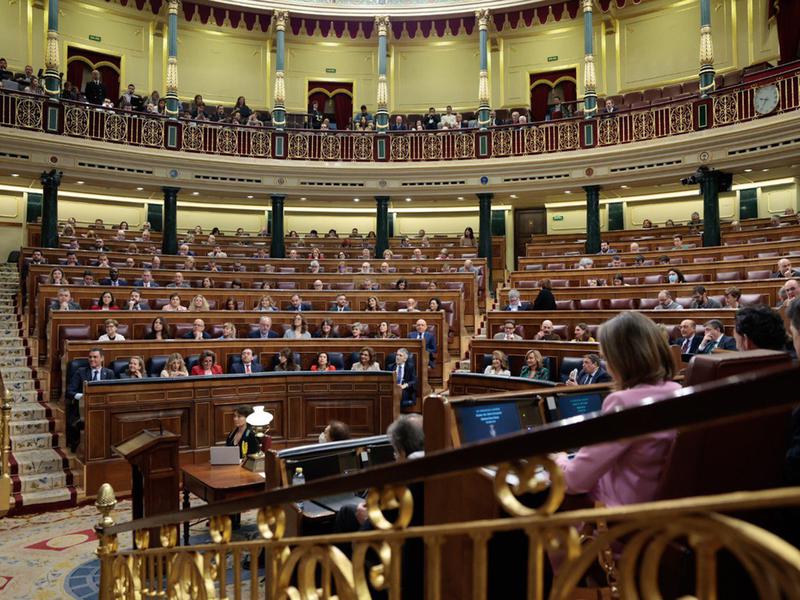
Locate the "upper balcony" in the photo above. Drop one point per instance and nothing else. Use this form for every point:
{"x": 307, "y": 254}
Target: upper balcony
{"x": 754, "y": 121}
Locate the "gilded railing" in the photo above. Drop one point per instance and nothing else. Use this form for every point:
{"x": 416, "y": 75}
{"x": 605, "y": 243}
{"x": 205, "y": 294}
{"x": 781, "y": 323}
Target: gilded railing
{"x": 725, "y": 107}
{"x": 629, "y": 544}
{"x": 5, "y": 449}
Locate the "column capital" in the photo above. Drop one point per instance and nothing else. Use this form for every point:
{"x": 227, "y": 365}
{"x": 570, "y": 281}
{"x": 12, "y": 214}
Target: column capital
{"x": 51, "y": 178}
{"x": 170, "y": 191}
{"x": 382, "y": 23}
{"x": 587, "y": 5}
{"x": 482, "y": 17}
{"x": 172, "y": 7}
{"x": 281, "y": 18}
{"x": 592, "y": 189}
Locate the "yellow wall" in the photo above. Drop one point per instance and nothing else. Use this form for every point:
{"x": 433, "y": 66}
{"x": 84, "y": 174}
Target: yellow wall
{"x": 303, "y": 222}
{"x": 12, "y": 218}
{"x": 646, "y": 45}
{"x": 774, "y": 200}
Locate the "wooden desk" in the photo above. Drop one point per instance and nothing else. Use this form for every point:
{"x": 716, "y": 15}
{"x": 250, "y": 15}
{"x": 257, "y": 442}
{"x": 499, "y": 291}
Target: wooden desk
{"x": 215, "y": 483}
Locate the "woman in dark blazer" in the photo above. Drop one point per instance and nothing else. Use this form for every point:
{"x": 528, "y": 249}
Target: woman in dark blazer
{"x": 242, "y": 434}
{"x": 545, "y": 300}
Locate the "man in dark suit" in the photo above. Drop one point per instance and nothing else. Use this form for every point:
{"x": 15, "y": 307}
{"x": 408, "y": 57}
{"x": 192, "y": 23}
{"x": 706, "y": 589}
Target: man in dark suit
{"x": 421, "y": 333}
{"x": 135, "y": 302}
{"x": 341, "y": 304}
{"x": 4, "y": 72}
{"x": 405, "y": 377}
{"x": 715, "y": 338}
{"x": 514, "y": 302}
{"x": 146, "y": 281}
{"x": 315, "y": 116}
{"x": 591, "y": 372}
{"x": 113, "y": 279}
{"x": 297, "y": 303}
{"x": 95, "y": 91}
{"x": 264, "y": 330}
{"x": 94, "y": 372}
{"x": 248, "y": 365}
{"x": 398, "y": 124}
{"x": 609, "y": 109}
{"x": 198, "y": 331}
{"x": 431, "y": 120}
{"x": 64, "y": 301}
{"x": 690, "y": 339}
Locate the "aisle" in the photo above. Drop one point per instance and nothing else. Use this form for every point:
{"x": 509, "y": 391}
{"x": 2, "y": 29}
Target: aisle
{"x": 40, "y": 470}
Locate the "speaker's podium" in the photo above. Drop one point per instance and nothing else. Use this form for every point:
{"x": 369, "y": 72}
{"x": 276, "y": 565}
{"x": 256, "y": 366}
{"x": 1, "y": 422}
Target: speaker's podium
{"x": 153, "y": 456}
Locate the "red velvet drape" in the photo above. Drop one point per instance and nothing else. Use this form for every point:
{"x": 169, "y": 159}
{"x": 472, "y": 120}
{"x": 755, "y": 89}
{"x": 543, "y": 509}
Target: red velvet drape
{"x": 787, "y": 13}
{"x": 107, "y": 64}
{"x": 342, "y": 96}
{"x": 545, "y": 85}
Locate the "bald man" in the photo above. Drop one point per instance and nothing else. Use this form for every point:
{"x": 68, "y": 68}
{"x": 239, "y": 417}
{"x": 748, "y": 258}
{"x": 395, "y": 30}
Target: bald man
{"x": 690, "y": 339}
{"x": 546, "y": 332}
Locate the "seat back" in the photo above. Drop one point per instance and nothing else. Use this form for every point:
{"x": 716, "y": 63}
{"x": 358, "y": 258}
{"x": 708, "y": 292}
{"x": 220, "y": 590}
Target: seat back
{"x": 337, "y": 360}
{"x": 647, "y": 303}
{"x": 759, "y": 274}
{"x": 590, "y": 304}
{"x": 567, "y": 364}
{"x": 710, "y": 367}
{"x": 74, "y": 365}
{"x": 119, "y": 366}
{"x": 156, "y": 364}
{"x": 564, "y": 304}
{"x": 728, "y": 275}
{"x": 694, "y": 277}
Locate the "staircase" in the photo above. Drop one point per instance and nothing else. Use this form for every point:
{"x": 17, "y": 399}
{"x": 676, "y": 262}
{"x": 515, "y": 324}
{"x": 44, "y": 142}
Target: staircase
{"x": 40, "y": 469}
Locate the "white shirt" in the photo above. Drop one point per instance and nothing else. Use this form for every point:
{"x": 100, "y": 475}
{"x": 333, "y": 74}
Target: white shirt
{"x": 105, "y": 338}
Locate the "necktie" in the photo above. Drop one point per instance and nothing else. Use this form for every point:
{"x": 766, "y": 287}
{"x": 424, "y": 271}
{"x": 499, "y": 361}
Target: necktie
{"x": 96, "y": 375}
{"x": 400, "y": 374}
{"x": 685, "y": 347}
{"x": 247, "y": 369}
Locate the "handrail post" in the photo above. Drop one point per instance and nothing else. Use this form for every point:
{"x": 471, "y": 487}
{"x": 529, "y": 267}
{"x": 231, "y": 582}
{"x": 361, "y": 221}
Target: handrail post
{"x": 5, "y": 452}
{"x": 107, "y": 546}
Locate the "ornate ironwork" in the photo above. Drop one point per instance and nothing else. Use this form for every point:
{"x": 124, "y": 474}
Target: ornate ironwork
{"x": 192, "y": 138}
{"x": 76, "y": 120}
{"x": 362, "y": 147}
{"x": 116, "y": 128}
{"x": 331, "y": 147}
{"x": 608, "y": 132}
{"x": 400, "y": 147}
{"x": 432, "y": 146}
{"x": 534, "y": 140}
{"x": 644, "y": 127}
{"x": 29, "y": 113}
{"x": 501, "y": 142}
{"x": 260, "y": 144}
{"x": 680, "y": 118}
{"x": 227, "y": 141}
{"x": 298, "y": 145}
{"x": 568, "y": 136}
{"x": 153, "y": 133}
{"x": 465, "y": 146}
{"x": 726, "y": 109}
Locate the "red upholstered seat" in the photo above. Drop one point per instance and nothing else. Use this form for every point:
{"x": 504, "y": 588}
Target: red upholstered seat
{"x": 640, "y": 105}
{"x": 555, "y": 266}
{"x": 653, "y": 279}
{"x": 719, "y": 298}
{"x": 691, "y": 87}
{"x": 703, "y": 259}
{"x": 694, "y": 277}
{"x": 756, "y": 240}
{"x": 181, "y": 329}
{"x": 728, "y": 275}
{"x": 560, "y": 331}
{"x": 622, "y": 303}
{"x": 344, "y": 285}
{"x": 287, "y": 285}
{"x": 734, "y": 257}
{"x": 750, "y": 299}
{"x": 286, "y": 269}
{"x": 529, "y": 284}
{"x": 760, "y": 274}
{"x": 652, "y": 94}
{"x": 560, "y": 283}
{"x": 538, "y": 267}
{"x": 564, "y": 305}
{"x": 684, "y": 301}
{"x": 590, "y": 304}
{"x": 767, "y": 255}
{"x": 678, "y": 260}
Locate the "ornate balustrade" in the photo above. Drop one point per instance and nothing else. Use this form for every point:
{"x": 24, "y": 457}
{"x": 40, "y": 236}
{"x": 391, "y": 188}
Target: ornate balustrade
{"x": 723, "y": 108}
{"x": 305, "y": 567}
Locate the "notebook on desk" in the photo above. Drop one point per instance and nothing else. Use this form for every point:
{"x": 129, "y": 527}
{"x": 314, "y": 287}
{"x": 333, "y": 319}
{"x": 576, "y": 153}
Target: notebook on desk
{"x": 225, "y": 455}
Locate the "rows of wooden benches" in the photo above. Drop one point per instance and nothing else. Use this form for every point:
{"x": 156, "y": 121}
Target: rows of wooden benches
{"x": 644, "y": 296}
{"x": 87, "y": 326}
{"x": 730, "y": 238}
{"x": 676, "y": 256}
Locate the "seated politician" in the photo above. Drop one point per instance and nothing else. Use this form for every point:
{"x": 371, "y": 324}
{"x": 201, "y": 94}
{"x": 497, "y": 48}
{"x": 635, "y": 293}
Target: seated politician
{"x": 592, "y": 372}
{"x": 175, "y": 366}
{"x": 95, "y": 371}
{"x": 248, "y": 364}
{"x": 242, "y": 434}
{"x": 405, "y": 377}
{"x": 264, "y": 330}
{"x": 715, "y": 338}
{"x": 198, "y": 331}
{"x": 207, "y": 365}
{"x": 514, "y": 302}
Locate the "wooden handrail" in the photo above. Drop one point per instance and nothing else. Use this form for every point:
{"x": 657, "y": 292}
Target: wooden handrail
{"x": 728, "y": 399}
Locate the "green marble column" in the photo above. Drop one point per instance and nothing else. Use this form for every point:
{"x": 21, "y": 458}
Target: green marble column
{"x": 592, "y": 219}
{"x": 169, "y": 239}
{"x": 278, "y": 247}
{"x": 50, "y": 182}
{"x": 382, "y": 229}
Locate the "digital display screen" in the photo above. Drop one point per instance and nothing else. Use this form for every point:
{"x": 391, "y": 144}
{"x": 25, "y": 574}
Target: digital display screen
{"x": 485, "y": 421}
{"x": 573, "y": 405}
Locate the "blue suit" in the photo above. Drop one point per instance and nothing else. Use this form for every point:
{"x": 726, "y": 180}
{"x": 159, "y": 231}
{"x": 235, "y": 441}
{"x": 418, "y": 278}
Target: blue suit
{"x": 238, "y": 367}
{"x": 257, "y": 334}
{"x": 409, "y": 395}
{"x": 140, "y": 283}
{"x": 430, "y": 344}
{"x": 342, "y": 309}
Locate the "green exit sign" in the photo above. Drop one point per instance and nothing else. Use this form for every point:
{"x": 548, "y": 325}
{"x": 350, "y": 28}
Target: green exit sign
{"x": 330, "y": 70}
{"x": 558, "y": 217}
{"x": 95, "y": 38}
{"x": 552, "y": 58}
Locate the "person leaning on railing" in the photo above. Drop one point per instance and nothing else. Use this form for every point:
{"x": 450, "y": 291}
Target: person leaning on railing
{"x": 627, "y": 471}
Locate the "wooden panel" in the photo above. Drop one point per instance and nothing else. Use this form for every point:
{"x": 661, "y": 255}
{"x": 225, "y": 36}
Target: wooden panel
{"x": 127, "y": 424}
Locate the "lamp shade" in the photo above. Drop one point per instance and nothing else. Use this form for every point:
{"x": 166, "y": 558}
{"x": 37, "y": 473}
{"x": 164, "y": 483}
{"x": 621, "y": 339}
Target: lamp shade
{"x": 259, "y": 417}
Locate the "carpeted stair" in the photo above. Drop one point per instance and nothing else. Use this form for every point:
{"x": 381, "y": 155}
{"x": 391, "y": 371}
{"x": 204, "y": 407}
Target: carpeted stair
{"x": 40, "y": 469}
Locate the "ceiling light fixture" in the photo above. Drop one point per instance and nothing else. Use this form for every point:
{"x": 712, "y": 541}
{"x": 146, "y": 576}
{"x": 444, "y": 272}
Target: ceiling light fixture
{"x": 79, "y": 182}
{"x": 250, "y": 197}
{"x": 195, "y": 193}
{"x": 567, "y": 191}
{"x": 139, "y": 189}
{"x": 303, "y": 199}
{"x": 15, "y": 174}
{"x": 461, "y": 197}
{"x": 356, "y": 199}
{"x": 408, "y": 199}
{"x": 748, "y": 170}
{"x": 624, "y": 187}
{"x": 764, "y": 170}
{"x": 514, "y": 196}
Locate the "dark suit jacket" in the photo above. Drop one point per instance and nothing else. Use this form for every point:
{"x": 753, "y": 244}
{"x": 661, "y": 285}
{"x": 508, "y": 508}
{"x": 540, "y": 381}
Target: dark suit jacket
{"x": 238, "y": 367}
{"x": 396, "y": 127}
{"x": 600, "y": 376}
{"x": 85, "y": 374}
{"x": 140, "y": 283}
{"x": 522, "y": 306}
{"x": 142, "y": 306}
{"x": 55, "y": 305}
{"x": 304, "y": 306}
{"x": 430, "y": 344}
{"x": 257, "y": 334}
{"x": 190, "y": 335}
{"x": 107, "y": 282}
{"x": 545, "y": 300}
{"x": 95, "y": 92}
{"x": 409, "y": 396}
{"x": 249, "y": 437}
{"x": 726, "y": 342}
{"x": 693, "y": 346}
{"x": 336, "y": 309}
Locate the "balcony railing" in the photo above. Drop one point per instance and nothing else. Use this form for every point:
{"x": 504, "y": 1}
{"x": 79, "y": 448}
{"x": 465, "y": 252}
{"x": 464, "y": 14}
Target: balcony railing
{"x": 79, "y": 120}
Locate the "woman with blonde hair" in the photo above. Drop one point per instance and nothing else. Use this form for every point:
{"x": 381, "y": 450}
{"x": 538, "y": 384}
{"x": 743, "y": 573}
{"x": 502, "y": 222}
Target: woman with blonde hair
{"x": 175, "y": 366}
{"x": 627, "y": 471}
{"x": 228, "y": 331}
{"x": 199, "y": 304}
{"x": 135, "y": 369}
{"x": 499, "y": 366}
{"x": 266, "y": 304}
{"x": 534, "y": 366}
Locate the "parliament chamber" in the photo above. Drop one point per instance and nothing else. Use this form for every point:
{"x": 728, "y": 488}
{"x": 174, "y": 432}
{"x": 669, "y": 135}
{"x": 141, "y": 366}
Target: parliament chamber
{"x": 441, "y": 299}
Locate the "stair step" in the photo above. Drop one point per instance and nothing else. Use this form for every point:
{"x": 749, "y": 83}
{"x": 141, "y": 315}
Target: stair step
{"x": 44, "y": 499}
{"x": 21, "y": 397}
{"x": 30, "y": 427}
{"x": 38, "y": 461}
{"x": 34, "y": 441}
{"x": 38, "y": 482}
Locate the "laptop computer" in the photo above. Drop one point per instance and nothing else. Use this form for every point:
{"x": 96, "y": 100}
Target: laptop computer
{"x": 225, "y": 455}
